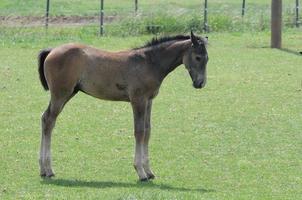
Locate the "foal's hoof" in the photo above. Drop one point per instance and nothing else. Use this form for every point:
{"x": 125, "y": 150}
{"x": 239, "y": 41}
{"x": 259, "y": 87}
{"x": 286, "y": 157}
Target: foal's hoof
{"x": 151, "y": 176}
{"x": 47, "y": 175}
{"x": 143, "y": 179}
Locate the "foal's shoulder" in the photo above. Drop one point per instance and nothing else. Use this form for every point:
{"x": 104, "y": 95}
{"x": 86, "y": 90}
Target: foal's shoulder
{"x": 73, "y": 46}
{"x": 70, "y": 47}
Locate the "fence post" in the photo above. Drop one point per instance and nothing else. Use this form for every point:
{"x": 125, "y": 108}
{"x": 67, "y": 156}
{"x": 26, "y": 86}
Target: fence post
{"x": 135, "y": 6}
{"x": 243, "y": 8}
{"x": 205, "y": 17}
{"x": 47, "y": 14}
{"x": 276, "y": 24}
{"x": 297, "y": 13}
{"x": 102, "y": 18}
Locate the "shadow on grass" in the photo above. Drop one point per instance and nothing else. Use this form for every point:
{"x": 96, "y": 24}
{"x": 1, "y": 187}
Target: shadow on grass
{"x": 110, "y": 184}
{"x": 291, "y": 51}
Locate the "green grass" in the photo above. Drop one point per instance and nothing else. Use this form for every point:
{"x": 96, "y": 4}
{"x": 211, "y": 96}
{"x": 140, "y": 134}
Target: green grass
{"x": 239, "y": 138}
{"x": 78, "y": 7}
{"x": 168, "y": 16}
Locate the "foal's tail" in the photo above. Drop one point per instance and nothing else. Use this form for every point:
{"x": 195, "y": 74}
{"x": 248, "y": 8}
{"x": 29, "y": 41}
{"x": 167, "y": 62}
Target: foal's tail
{"x": 41, "y": 58}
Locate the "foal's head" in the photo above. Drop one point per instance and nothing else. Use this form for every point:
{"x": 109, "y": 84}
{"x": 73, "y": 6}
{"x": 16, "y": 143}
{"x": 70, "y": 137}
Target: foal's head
{"x": 196, "y": 59}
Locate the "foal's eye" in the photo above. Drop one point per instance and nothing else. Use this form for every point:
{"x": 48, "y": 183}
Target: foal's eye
{"x": 198, "y": 58}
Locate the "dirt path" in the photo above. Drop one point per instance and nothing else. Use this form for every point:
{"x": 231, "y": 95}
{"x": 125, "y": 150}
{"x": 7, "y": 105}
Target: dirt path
{"x": 53, "y": 21}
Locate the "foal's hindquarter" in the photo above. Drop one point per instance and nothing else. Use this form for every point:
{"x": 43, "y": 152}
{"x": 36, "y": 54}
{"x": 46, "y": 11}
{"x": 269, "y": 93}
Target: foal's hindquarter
{"x": 121, "y": 76}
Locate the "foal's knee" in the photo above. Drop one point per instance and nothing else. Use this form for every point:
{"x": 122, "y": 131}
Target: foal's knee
{"x": 45, "y": 116}
{"x": 139, "y": 132}
{"x": 139, "y": 136}
{"x": 48, "y": 119}
{"x": 147, "y": 130}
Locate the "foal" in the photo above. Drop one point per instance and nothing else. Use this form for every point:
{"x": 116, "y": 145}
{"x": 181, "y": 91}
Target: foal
{"x": 134, "y": 76}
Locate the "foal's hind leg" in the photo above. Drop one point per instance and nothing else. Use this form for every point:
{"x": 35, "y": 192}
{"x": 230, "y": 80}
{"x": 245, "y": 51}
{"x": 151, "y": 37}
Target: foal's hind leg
{"x": 48, "y": 122}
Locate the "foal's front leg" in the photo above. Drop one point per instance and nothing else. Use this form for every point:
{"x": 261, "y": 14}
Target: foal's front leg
{"x": 139, "y": 109}
{"x": 146, "y": 164}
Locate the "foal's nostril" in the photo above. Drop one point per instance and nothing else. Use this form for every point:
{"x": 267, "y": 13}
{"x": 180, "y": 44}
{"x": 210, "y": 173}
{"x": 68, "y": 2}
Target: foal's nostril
{"x": 198, "y": 84}
{"x": 201, "y": 83}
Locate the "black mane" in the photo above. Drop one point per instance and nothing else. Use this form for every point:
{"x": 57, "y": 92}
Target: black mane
{"x": 156, "y": 41}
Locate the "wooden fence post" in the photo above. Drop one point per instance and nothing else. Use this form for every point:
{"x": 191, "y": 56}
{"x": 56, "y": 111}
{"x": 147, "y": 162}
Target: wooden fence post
{"x": 276, "y": 24}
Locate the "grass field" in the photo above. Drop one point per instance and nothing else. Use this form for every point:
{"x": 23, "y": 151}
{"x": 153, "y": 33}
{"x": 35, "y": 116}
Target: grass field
{"x": 156, "y": 16}
{"x": 239, "y": 138}
{"x": 78, "y": 7}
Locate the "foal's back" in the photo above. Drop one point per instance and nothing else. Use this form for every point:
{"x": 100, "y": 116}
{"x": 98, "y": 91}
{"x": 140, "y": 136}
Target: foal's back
{"x": 102, "y": 74}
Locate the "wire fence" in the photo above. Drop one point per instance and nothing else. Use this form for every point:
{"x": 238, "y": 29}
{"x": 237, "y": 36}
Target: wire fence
{"x": 140, "y": 16}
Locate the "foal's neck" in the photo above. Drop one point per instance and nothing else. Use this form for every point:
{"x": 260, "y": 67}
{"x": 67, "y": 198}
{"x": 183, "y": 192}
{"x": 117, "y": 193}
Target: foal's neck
{"x": 169, "y": 56}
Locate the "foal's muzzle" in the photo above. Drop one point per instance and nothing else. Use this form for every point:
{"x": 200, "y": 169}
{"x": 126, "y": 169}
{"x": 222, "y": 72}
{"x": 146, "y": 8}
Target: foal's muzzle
{"x": 199, "y": 84}
{"x": 199, "y": 81}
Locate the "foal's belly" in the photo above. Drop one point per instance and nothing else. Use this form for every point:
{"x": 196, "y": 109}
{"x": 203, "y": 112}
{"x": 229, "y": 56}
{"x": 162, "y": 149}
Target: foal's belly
{"x": 118, "y": 85}
{"x": 109, "y": 91}
{"x": 104, "y": 84}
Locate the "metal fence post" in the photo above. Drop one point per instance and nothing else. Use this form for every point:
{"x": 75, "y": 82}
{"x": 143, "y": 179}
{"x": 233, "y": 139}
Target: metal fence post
{"x": 102, "y": 18}
{"x": 136, "y": 6}
{"x": 243, "y": 8}
{"x": 47, "y": 14}
{"x": 205, "y": 17}
{"x": 297, "y": 13}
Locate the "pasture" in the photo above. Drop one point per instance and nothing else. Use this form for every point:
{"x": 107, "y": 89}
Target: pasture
{"x": 76, "y": 7}
{"x": 239, "y": 138}
{"x": 157, "y": 16}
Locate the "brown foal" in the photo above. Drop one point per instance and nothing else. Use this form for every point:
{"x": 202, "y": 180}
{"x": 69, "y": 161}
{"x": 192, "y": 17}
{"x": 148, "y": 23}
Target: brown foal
{"x": 134, "y": 76}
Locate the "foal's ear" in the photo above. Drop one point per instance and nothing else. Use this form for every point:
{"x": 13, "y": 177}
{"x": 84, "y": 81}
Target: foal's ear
{"x": 206, "y": 40}
{"x": 194, "y": 40}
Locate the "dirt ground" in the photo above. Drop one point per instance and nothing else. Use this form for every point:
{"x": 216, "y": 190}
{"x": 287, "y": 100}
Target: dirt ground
{"x": 56, "y": 21}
